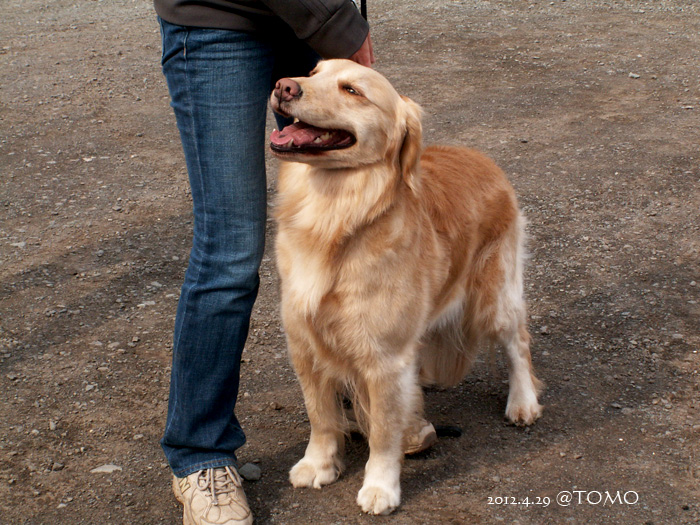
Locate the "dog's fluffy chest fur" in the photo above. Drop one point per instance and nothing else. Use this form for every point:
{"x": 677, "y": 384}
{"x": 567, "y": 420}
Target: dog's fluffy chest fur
{"x": 342, "y": 256}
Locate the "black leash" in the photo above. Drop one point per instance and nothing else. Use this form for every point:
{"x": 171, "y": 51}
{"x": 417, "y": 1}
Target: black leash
{"x": 363, "y": 9}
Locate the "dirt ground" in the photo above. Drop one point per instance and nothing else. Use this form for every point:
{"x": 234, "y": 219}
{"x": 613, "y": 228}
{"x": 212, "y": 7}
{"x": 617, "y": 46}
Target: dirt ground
{"x": 591, "y": 107}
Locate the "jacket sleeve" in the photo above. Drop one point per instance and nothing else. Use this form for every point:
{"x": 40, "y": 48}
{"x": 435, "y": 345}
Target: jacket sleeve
{"x": 333, "y": 28}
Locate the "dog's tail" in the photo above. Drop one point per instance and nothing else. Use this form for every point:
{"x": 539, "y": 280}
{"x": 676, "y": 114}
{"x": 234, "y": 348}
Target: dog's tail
{"x": 447, "y": 354}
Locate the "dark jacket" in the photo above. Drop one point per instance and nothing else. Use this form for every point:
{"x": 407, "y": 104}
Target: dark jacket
{"x": 333, "y": 28}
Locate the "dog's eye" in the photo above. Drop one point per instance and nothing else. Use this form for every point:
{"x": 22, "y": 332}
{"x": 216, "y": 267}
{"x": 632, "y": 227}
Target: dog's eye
{"x": 351, "y": 90}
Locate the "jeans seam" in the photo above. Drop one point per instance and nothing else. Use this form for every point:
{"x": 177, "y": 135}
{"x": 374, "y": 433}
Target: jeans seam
{"x": 190, "y": 115}
{"x": 198, "y": 159}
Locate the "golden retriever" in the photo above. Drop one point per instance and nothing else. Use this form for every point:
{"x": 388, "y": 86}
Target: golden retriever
{"x": 396, "y": 263}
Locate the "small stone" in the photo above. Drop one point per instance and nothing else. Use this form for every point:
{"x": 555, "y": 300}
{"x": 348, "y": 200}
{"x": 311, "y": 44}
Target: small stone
{"x": 144, "y": 305}
{"x": 106, "y": 469}
{"x": 634, "y": 75}
{"x": 250, "y": 472}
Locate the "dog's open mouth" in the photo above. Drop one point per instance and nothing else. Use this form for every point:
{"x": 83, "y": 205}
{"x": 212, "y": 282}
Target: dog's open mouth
{"x": 301, "y": 138}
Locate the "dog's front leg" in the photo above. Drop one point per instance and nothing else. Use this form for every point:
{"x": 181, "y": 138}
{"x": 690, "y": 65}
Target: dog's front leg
{"x": 322, "y": 462}
{"x": 391, "y": 399}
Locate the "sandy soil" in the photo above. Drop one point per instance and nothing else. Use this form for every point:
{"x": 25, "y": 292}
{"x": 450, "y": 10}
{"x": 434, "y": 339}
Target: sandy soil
{"x": 591, "y": 107}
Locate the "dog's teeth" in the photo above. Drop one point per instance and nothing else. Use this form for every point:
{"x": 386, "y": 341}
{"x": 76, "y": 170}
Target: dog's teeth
{"x": 296, "y": 120}
{"x": 317, "y": 140}
{"x": 326, "y": 136}
{"x": 290, "y": 143}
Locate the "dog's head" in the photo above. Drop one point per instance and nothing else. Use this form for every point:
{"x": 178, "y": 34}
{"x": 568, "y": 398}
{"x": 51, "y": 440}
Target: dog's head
{"x": 348, "y": 116}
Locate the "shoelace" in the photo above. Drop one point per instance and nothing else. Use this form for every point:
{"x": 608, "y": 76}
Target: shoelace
{"x": 219, "y": 481}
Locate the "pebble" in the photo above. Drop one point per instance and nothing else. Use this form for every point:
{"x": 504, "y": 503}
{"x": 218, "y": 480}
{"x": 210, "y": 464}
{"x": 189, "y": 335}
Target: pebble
{"x": 105, "y": 469}
{"x": 250, "y": 472}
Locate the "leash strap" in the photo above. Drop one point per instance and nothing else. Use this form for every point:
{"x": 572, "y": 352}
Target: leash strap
{"x": 362, "y": 7}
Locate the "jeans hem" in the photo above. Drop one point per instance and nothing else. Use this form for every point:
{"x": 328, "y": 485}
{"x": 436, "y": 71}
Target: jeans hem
{"x": 212, "y": 463}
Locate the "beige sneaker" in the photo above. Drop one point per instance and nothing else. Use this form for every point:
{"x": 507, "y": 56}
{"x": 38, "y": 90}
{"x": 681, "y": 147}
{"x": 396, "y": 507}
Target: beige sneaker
{"x": 419, "y": 438}
{"x": 213, "y": 497}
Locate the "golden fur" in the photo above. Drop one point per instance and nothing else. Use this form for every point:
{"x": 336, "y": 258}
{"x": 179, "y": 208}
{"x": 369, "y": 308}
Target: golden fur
{"x": 396, "y": 263}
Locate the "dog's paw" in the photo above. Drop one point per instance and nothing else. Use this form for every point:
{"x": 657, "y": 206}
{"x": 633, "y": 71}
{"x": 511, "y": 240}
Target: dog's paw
{"x": 524, "y": 410}
{"x": 378, "y": 500}
{"x": 314, "y": 474}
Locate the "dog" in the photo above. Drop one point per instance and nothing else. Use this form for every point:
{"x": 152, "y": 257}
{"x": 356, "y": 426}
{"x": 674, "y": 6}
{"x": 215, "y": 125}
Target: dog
{"x": 396, "y": 263}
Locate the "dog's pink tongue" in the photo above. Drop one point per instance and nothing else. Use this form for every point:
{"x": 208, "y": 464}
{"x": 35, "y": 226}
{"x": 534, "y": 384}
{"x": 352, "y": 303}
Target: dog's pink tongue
{"x": 300, "y": 132}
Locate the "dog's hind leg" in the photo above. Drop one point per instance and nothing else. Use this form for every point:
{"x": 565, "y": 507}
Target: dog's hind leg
{"x": 522, "y": 407}
{"x": 322, "y": 462}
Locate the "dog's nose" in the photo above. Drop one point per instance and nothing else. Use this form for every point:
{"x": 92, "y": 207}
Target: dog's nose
{"x": 286, "y": 89}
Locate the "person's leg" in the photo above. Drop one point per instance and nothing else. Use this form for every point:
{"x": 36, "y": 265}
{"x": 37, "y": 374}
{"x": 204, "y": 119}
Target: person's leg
{"x": 218, "y": 82}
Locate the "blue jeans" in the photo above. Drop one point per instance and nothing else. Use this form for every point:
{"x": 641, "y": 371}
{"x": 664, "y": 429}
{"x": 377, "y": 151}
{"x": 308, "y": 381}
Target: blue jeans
{"x": 219, "y": 83}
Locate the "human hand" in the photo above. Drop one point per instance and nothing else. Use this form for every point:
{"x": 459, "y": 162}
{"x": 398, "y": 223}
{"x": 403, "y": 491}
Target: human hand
{"x": 364, "y": 55}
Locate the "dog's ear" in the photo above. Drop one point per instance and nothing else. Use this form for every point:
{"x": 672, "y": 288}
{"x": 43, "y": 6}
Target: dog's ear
{"x": 412, "y": 146}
